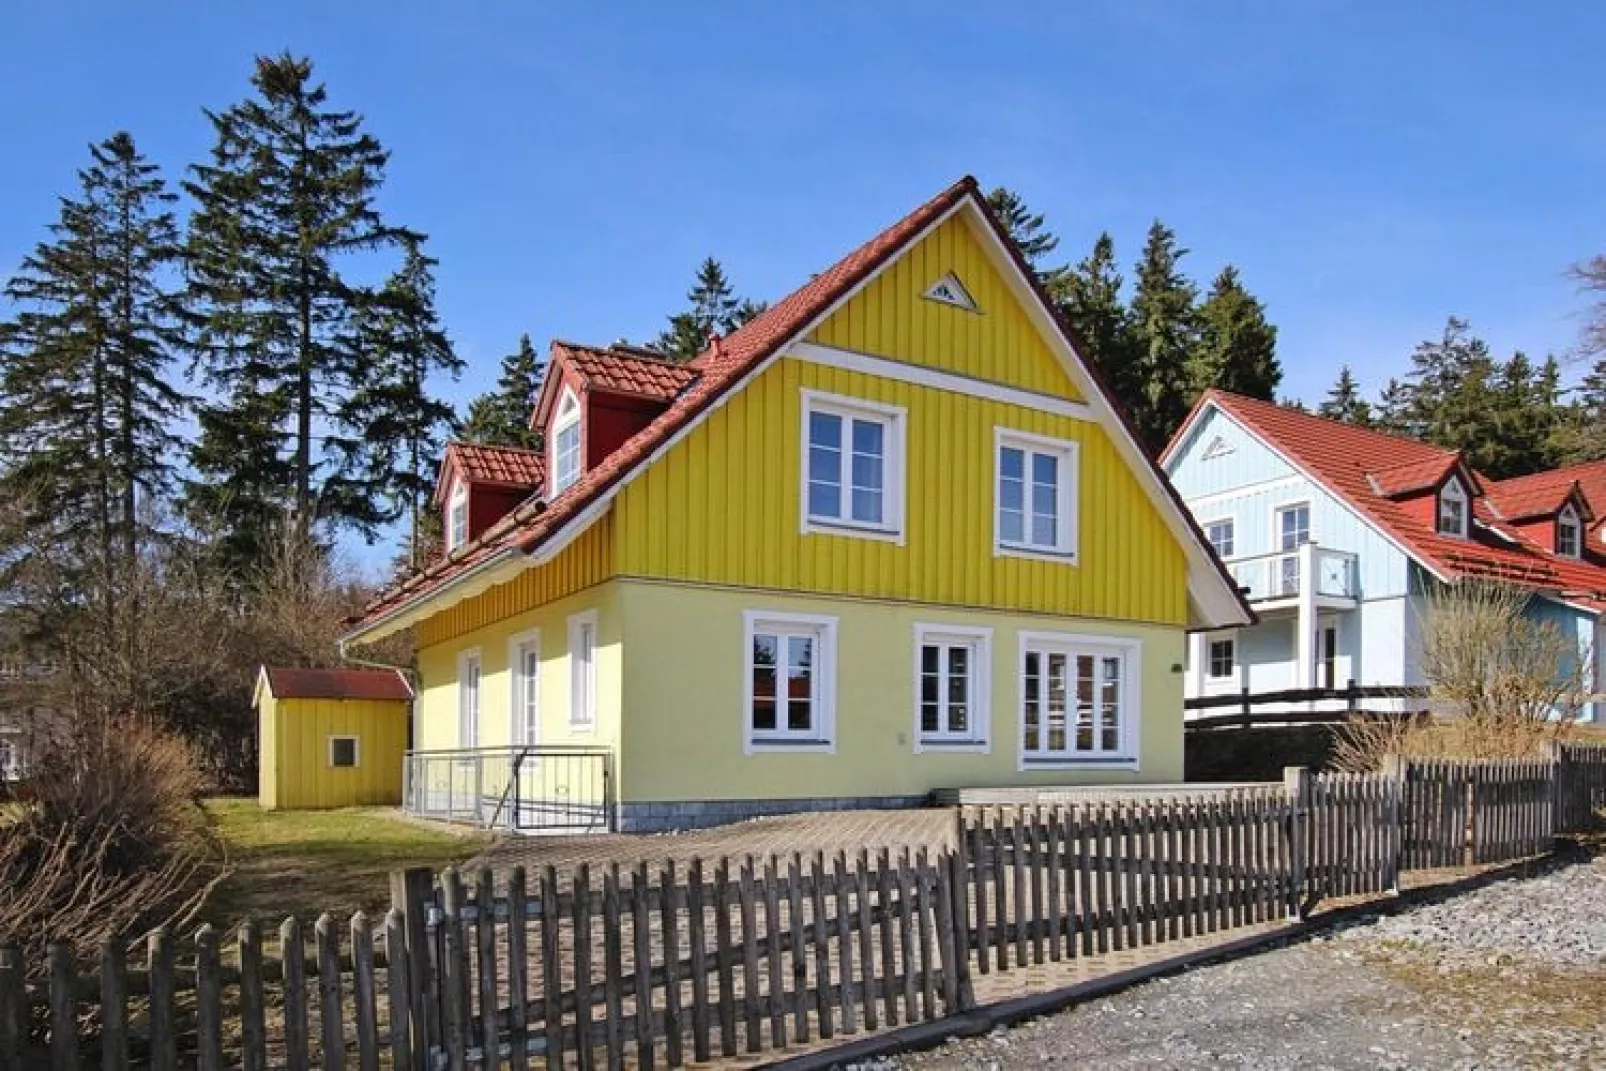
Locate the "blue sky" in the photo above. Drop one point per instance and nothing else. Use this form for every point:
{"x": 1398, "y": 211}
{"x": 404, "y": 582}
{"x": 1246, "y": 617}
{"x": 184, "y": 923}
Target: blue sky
{"x": 1371, "y": 168}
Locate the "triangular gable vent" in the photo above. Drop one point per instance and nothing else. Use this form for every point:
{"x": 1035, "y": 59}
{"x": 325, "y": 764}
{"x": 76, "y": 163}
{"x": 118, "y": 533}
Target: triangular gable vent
{"x": 950, "y": 291}
{"x": 1218, "y": 447}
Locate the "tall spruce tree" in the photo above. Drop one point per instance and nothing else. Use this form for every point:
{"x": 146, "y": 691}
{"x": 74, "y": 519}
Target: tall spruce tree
{"x": 502, "y": 417}
{"x": 284, "y": 202}
{"x": 1344, "y": 401}
{"x": 1090, "y": 299}
{"x": 87, "y": 405}
{"x": 1583, "y": 436}
{"x": 715, "y": 310}
{"x": 1029, "y": 231}
{"x": 1237, "y": 348}
{"x": 1392, "y": 413}
{"x": 1165, "y": 331}
{"x": 400, "y": 425}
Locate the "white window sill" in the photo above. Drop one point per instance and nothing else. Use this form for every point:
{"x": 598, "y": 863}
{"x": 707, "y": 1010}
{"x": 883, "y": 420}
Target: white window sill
{"x": 828, "y": 526}
{"x": 953, "y": 747}
{"x": 582, "y": 728}
{"x": 775, "y": 746}
{"x": 1100, "y": 762}
{"x": 1042, "y": 554}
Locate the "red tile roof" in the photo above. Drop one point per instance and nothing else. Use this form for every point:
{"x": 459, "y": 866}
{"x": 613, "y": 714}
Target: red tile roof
{"x": 338, "y": 684}
{"x": 624, "y": 370}
{"x": 508, "y": 466}
{"x": 1418, "y": 475}
{"x": 1543, "y": 493}
{"x": 715, "y": 371}
{"x": 1348, "y": 461}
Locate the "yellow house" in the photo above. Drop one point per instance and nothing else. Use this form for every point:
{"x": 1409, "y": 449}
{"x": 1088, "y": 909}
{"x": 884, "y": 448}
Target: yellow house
{"x": 891, "y": 536}
{"x": 330, "y": 737}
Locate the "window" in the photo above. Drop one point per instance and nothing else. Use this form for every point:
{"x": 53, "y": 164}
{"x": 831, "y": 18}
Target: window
{"x": 524, "y": 701}
{"x": 1221, "y": 536}
{"x": 566, "y": 443}
{"x": 1327, "y": 652}
{"x": 1223, "y": 659}
{"x": 853, "y": 467}
{"x": 468, "y": 699}
{"x": 342, "y": 751}
{"x": 1569, "y": 541}
{"x": 1079, "y": 700}
{"x": 457, "y": 516}
{"x": 952, "y": 687}
{"x": 1036, "y": 495}
{"x": 583, "y": 671}
{"x": 1293, "y": 532}
{"x": 1452, "y": 518}
{"x": 790, "y": 682}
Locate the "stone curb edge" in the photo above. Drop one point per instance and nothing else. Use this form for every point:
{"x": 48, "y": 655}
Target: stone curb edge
{"x": 983, "y": 1020}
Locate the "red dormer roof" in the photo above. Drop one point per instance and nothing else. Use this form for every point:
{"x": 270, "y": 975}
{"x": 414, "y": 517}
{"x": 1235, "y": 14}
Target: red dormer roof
{"x": 1544, "y": 493}
{"x": 1422, "y": 474}
{"x": 618, "y": 369}
{"x": 482, "y": 464}
{"x": 1356, "y": 464}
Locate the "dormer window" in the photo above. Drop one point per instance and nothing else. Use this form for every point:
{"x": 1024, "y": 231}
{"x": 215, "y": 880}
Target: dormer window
{"x": 566, "y": 443}
{"x": 1453, "y": 510}
{"x": 457, "y": 516}
{"x": 1569, "y": 533}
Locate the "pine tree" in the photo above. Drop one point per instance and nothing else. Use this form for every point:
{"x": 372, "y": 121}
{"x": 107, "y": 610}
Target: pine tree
{"x": 1028, "y": 230}
{"x": 400, "y": 426}
{"x": 87, "y": 405}
{"x": 1392, "y": 412}
{"x": 502, "y": 417}
{"x": 1090, "y": 299}
{"x": 287, "y": 197}
{"x": 1165, "y": 331}
{"x": 715, "y": 309}
{"x": 1581, "y": 431}
{"x": 1237, "y": 348}
{"x": 1344, "y": 401}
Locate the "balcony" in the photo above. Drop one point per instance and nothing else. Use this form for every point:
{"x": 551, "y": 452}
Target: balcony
{"x": 1331, "y": 579}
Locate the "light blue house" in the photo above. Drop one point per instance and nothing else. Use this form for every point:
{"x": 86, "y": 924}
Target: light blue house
{"x": 1336, "y": 533}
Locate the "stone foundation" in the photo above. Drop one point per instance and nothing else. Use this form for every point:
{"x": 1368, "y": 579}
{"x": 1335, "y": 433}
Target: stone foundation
{"x": 643, "y": 817}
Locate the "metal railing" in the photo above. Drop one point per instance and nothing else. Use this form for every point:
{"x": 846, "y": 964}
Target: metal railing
{"x": 545, "y": 789}
{"x": 1279, "y": 575}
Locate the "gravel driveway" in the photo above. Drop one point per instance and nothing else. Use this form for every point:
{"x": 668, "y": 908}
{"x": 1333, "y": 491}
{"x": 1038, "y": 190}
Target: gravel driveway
{"x": 1512, "y": 974}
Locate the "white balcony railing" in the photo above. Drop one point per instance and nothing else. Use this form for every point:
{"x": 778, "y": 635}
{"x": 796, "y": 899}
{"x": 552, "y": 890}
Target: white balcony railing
{"x": 1281, "y": 575}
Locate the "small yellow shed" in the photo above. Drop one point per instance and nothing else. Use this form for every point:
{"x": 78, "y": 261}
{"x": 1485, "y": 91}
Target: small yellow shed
{"x": 331, "y": 737}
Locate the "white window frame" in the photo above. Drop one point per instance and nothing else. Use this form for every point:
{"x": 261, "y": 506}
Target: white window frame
{"x": 356, "y": 751}
{"x": 1213, "y": 678}
{"x": 978, "y": 739}
{"x": 894, "y": 421}
{"x": 1231, "y": 524}
{"x": 457, "y": 511}
{"x": 568, "y": 417}
{"x": 1566, "y": 520}
{"x": 1067, "y": 495}
{"x": 1285, "y": 566}
{"x": 1127, "y": 756}
{"x": 583, "y": 675}
{"x": 518, "y": 727}
{"x": 822, "y": 738}
{"x": 470, "y": 716}
{"x": 1452, "y": 493}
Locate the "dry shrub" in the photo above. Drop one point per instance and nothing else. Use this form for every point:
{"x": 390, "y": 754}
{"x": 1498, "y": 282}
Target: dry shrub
{"x": 1511, "y": 683}
{"x": 109, "y": 842}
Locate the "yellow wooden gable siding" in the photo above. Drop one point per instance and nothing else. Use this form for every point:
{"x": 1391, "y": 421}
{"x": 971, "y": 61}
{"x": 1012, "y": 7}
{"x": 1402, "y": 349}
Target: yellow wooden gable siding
{"x": 890, "y": 318}
{"x": 723, "y": 506}
{"x": 586, "y": 561}
{"x": 296, "y": 772}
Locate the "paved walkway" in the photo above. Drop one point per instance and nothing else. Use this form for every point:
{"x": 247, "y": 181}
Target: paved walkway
{"x": 845, "y": 831}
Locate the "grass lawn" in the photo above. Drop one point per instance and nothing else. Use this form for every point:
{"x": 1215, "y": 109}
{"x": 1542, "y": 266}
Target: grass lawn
{"x": 303, "y": 863}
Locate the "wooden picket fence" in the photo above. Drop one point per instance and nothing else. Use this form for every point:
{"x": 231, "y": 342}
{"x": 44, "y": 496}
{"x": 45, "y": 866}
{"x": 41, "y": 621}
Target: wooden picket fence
{"x": 666, "y": 966}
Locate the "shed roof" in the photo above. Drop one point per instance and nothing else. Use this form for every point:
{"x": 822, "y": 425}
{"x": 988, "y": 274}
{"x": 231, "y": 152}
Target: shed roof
{"x": 337, "y": 683}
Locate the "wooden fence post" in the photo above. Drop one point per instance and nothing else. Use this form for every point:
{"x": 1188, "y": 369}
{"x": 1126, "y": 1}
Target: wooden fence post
{"x": 1555, "y": 753}
{"x": 411, "y": 892}
{"x": 1296, "y": 783}
{"x": 1394, "y": 773}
